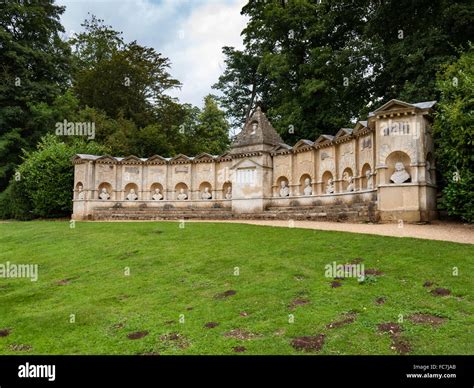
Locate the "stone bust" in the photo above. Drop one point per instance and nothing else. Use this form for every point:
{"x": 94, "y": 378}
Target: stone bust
{"x": 206, "y": 194}
{"x": 132, "y": 196}
{"x": 80, "y": 192}
{"x": 182, "y": 195}
{"x": 284, "y": 189}
{"x": 104, "y": 195}
{"x": 307, "y": 187}
{"x": 157, "y": 195}
{"x": 228, "y": 194}
{"x": 330, "y": 186}
{"x": 400, "y": 175}
{"x": 370, "y": 180}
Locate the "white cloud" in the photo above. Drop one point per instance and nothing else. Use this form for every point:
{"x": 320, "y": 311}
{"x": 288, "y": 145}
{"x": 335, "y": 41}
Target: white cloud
{"x": 196, "y": 56}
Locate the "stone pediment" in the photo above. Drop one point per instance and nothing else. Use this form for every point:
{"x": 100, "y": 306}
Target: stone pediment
{"x": 106, "y": 159}
{"x": 156, "y": 159}
{"x": 224, "y": 156}
{"x": 247, "y": 163}
{"x": 322, "y": 139}
{"x": 132, "y": 159}
{"x": 303, "y": 144}
{"x": 393, "y": 105}
{"x": 257, "y": 131}
{"x": 343, "y": 132}
{"x": 281, "y": 148}
{"x": 361, "y": 125}
{"x": 180, "y": 159}
{"x": 204, "y": 157}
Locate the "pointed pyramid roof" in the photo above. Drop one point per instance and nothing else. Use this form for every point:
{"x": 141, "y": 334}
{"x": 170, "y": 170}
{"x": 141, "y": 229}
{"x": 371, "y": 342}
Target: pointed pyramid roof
{"x": 257, "y": 130}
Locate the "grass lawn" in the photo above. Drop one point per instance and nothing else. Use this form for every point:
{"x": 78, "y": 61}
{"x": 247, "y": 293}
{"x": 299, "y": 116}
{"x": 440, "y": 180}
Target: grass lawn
{"x": 176, "y": 273}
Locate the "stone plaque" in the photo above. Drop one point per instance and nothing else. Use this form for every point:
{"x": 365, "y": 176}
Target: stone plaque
{"x": 181, "y": 169}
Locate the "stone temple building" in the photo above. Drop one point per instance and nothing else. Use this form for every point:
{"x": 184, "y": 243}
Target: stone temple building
{"x": 382, "y": 169}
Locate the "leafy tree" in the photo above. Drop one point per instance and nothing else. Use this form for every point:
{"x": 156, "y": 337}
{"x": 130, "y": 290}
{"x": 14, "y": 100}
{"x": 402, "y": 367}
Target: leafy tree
{"x": 213, "y": 129}
{"x": 122, "y": 80}
{"x": 454, "y": 134}
{"x": 44, "y": 180}
{"x": 240, "y": 85}
{"x": 35, "y": 68}
{"x": 98, "y": 42}
{"x": 322, "y": 65}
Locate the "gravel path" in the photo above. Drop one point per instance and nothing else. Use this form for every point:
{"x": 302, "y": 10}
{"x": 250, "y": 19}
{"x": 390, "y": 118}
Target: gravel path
{"x": 437, "y": 230}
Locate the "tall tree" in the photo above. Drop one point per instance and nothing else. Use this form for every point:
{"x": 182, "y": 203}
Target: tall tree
{"x": 322, "y": 65}
{"x": 213, "y": 130}
{"x": 454, "y": 135}
{"x": 123, "y": 80}
{"x": 34, "y": 64}
{"x": 240, "y": 85}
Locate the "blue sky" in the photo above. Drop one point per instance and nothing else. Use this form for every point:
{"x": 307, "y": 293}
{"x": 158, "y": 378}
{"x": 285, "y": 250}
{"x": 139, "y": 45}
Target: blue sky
{"x": 190, "y": 33}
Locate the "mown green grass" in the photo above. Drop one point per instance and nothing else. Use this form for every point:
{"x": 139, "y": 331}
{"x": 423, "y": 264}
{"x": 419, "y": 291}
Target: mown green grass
{"x": 173, "y": 269}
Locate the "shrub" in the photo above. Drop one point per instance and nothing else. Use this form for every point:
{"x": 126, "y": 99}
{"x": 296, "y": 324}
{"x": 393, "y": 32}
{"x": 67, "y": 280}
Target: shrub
{"x": 454, "y": 135}
{"x": 46, "y": 179}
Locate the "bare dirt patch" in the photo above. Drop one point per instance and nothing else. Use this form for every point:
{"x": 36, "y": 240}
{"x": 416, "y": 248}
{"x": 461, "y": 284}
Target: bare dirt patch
{"x": 240, "y": 334}
{"x": 298, "y": 302}
{"x": 308, "y": 343}
{"x": 389, "y": 327}
{"x": 239, "y": 349}
{"x": 5, "y": 332}
{"x": 211, "y": 325}
{"x": 176, "y": 339}
{"x": 348, "y": 318}
{"x": 441, "y": 291}
{"x": 335, "y": 284}
{"x": 380, "y": 300}
{"x": 225, "y": 294}
{"x": 428, "y": 283}
{"x": 244, "y": 314}
{"x": 137, "y": 335}
{"x": 400, "y": 345}
{"x": 20, "y": 347}
{"x": 429, "y": 319}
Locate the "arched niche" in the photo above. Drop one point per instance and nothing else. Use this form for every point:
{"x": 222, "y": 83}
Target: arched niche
{"x": 181, "y": 191}
{"x": 365, "y": 177}
{"x": 279, "y": 183}
{"x": 108, "y": 187}
{"x": 128, "y": 190}
{"x": 303, "y": 180}
{"x": 205, "y": 190}
{"x": 79, "y": 191}
{"x": 156, "y": 186}
{"x": 398, "y": 162}
{"x": 226, "y": 193}
{"x": 347, "y": 179}
{"x": 328, "y": 182}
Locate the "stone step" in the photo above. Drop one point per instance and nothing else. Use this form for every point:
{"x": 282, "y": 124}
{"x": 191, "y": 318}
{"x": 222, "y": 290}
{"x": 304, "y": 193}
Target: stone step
{"x": 160, "y": 211}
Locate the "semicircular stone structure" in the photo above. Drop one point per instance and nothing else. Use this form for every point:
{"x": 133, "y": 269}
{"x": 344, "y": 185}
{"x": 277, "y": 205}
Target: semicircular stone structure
{"x": 381, "y": 169}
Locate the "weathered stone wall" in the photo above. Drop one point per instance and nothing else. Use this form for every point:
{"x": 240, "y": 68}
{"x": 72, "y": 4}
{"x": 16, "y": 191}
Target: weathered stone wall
{"x": 383, "y": 168}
